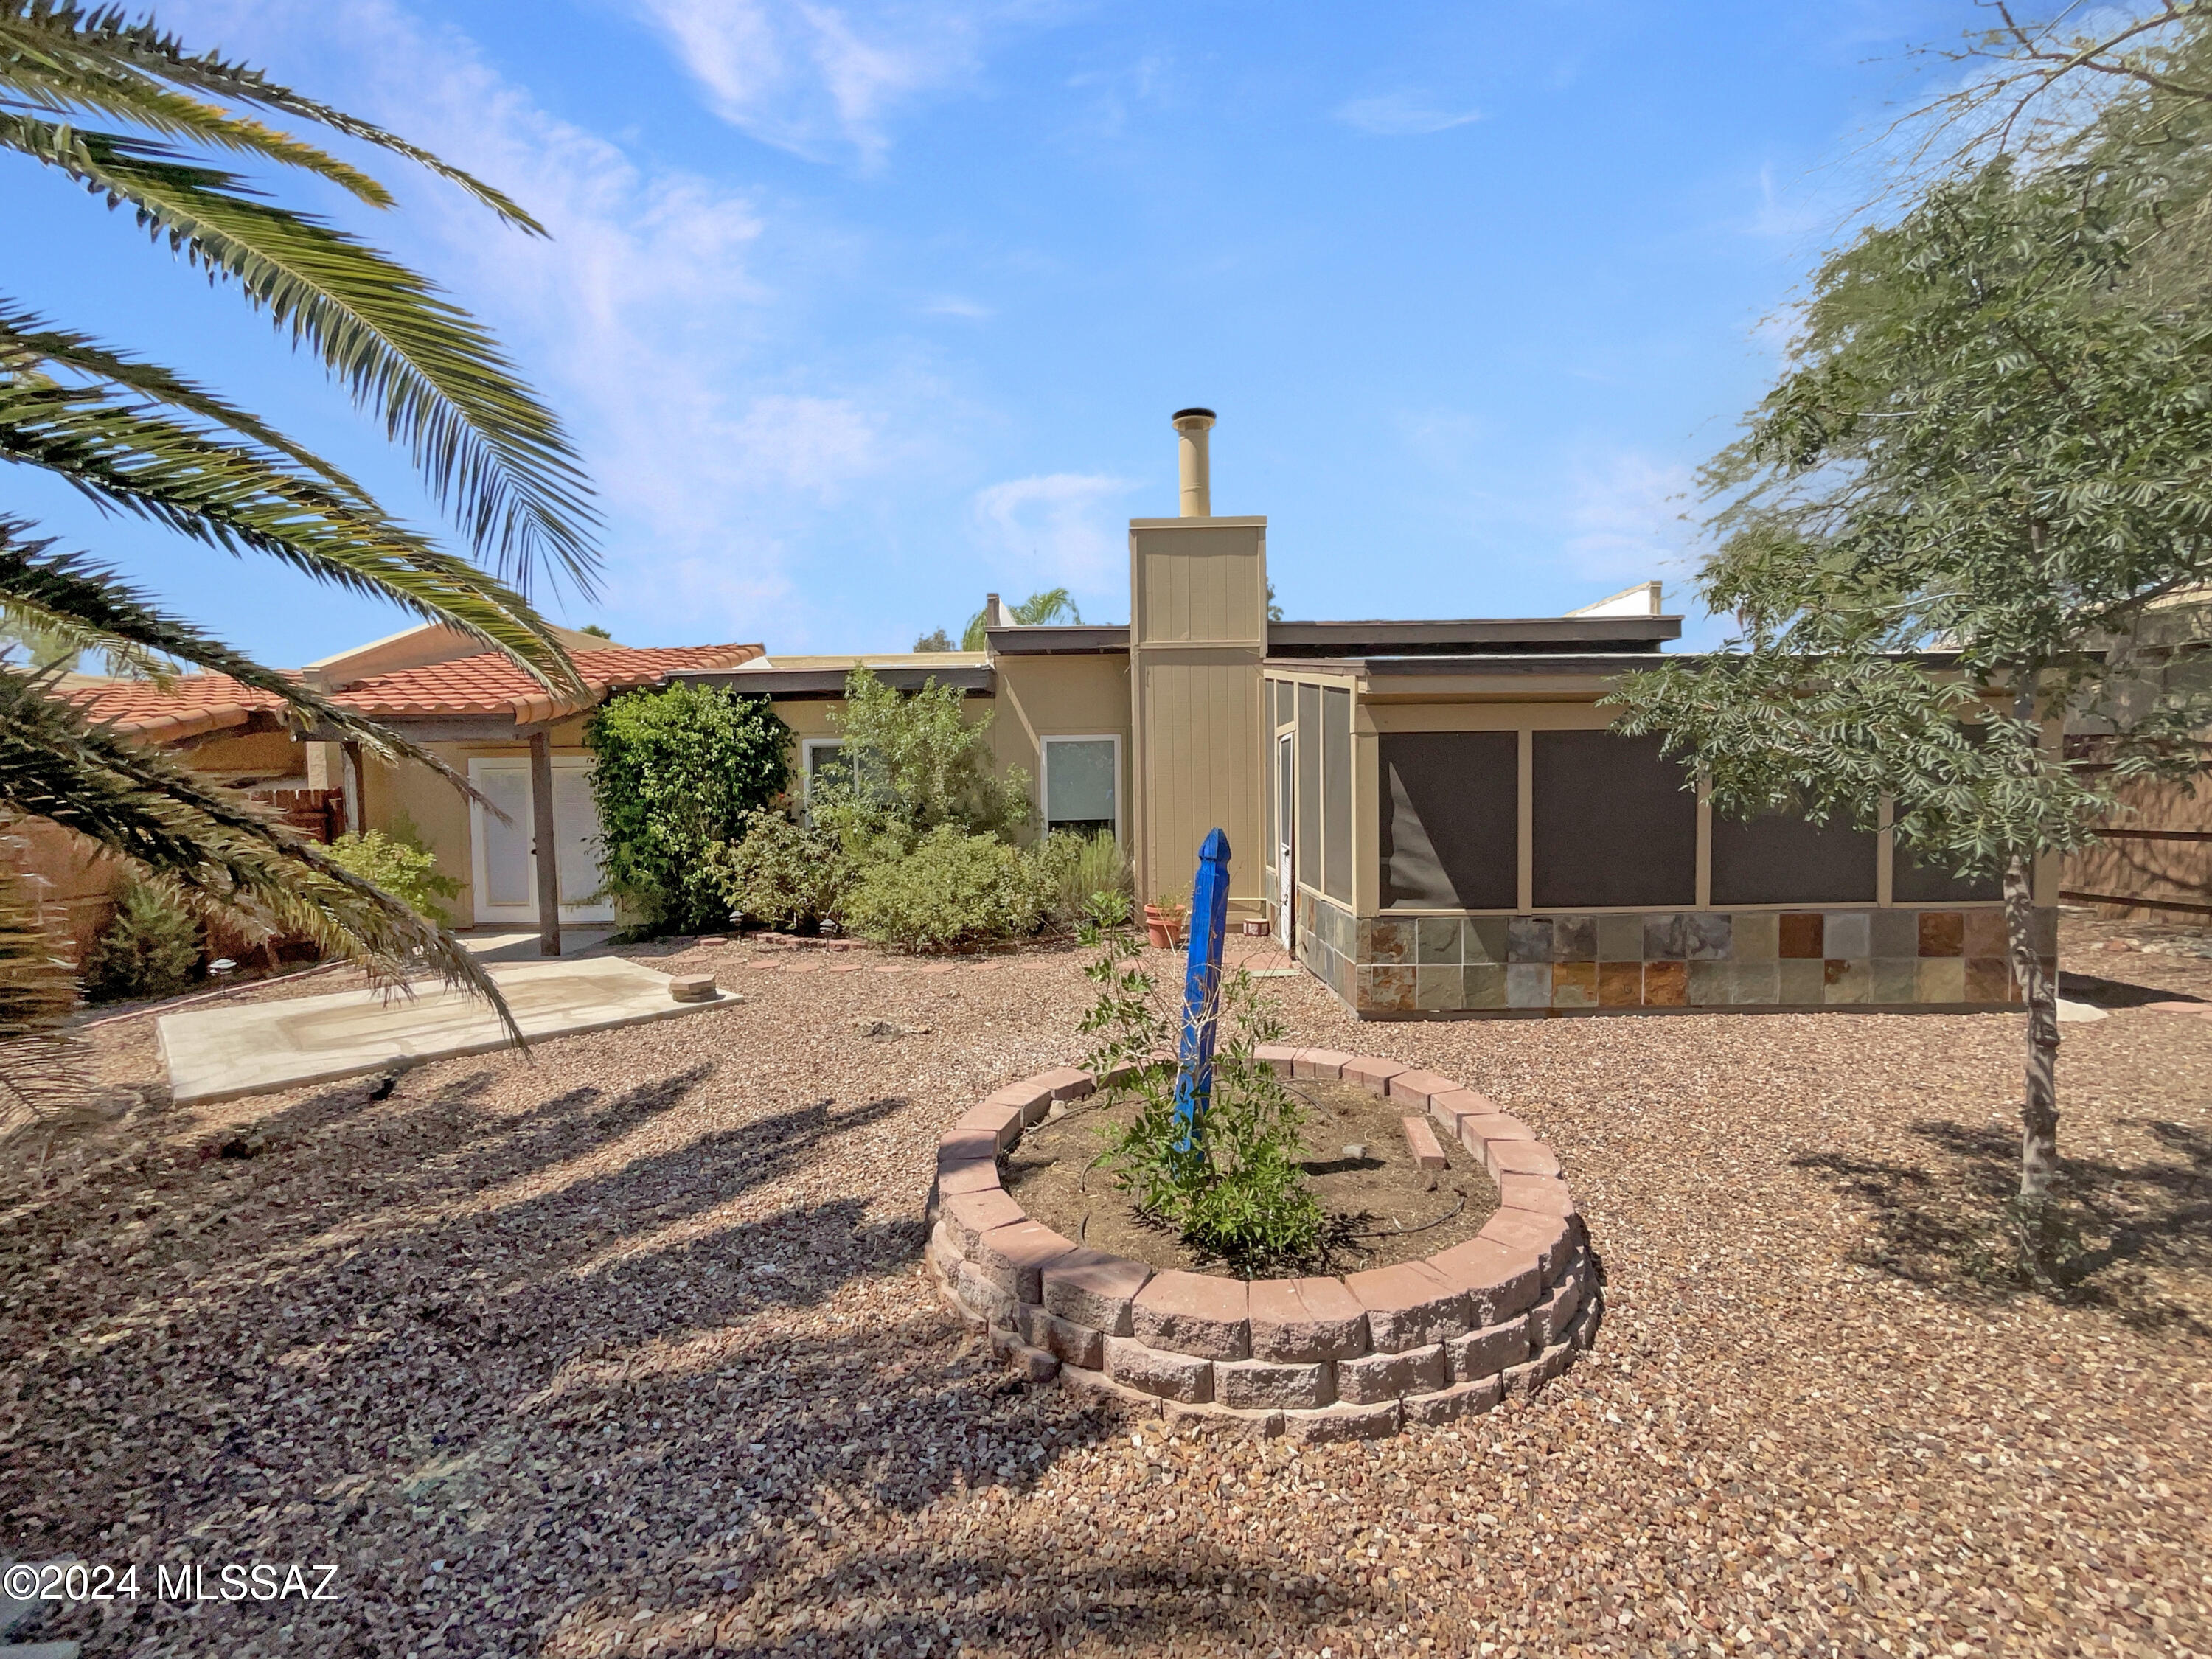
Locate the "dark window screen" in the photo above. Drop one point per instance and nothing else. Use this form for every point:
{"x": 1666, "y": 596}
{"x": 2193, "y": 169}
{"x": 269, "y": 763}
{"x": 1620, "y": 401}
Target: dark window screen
{"x": 1336, "y": 793}
{"x": 1451, "y": 819}
{"x": 1306, "y": 843}
{"x": 1783, "y": 860}
{"x": 1613, "y": 824}
{"x": 1913, "y": 883}
{"x": 1283, "y": 711}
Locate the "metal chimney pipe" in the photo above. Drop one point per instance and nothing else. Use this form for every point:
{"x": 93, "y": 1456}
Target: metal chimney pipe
{"x": 1191, "y": 425}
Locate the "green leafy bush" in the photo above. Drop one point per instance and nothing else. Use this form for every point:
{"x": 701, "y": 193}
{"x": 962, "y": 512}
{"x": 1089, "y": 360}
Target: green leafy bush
{"x": 913, "y": 761}
{"x": 680, "y": 772}
{"x": 952, "y": 889}
{"x": 1085, "y": 875}
{"x": 782, "y": 875}
{"x": 1235, "y": 1189}
{"x": 401, "y": 865}
{"x": 151, "y": 949}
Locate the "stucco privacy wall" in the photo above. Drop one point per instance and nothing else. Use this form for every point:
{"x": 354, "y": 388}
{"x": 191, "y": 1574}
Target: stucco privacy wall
{"x": 1198, "y": 633}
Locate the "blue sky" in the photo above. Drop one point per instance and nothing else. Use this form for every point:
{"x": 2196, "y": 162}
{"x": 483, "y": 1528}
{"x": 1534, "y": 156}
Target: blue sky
{"x": 857, "y": 310}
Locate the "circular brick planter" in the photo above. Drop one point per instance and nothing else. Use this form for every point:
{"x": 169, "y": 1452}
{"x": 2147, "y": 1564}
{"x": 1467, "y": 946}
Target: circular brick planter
{"x": 1318, "y": 1358}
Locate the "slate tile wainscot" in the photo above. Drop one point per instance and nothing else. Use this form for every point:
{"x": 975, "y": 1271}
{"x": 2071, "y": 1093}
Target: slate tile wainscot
{"x": 1316, "y": 1358}
{"x": 1612, "y": 961}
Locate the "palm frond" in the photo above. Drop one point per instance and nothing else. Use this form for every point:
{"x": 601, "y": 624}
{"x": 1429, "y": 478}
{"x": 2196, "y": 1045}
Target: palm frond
{"x": 228, "y": 495}
{"x": 27, "y": 341}
{"x": 89, "y": 606}
{"x": 230, "y": 856}
{"x": 492, "y": 454}
{"x": 56, "y": 90}
{"x": 99, "y": 46}
{"x": 39, "y": 1073}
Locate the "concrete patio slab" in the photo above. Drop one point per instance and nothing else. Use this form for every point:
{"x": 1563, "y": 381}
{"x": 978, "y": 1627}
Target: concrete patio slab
{"x": 220, "y": 1054}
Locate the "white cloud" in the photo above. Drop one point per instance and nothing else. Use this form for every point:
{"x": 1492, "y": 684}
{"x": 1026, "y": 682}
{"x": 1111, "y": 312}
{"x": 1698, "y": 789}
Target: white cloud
{"x": 645, "y": 319}
{"x": 1402, "y": 115}
{"x": 1627, "y": 519}
{"x": 815, "y": 79}
{"x": 1061, "y": 530}
{"x": 951, "y": 304}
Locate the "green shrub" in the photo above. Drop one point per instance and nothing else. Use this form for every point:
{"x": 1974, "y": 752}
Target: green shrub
{"x": 679, "y": 771}
{"x": 401, "y": 865}
{"x": 913, "y": 761}
{"x": 1084, "y": 875}
{"x": 782, "y": 875}
{"x": 1237, "y": 1191}
{"x": 151, "y": 949}
{"x": 951, "y": 890}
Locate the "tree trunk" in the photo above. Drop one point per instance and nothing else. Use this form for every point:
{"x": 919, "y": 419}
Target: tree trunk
{"x": 2038, "y": 1112}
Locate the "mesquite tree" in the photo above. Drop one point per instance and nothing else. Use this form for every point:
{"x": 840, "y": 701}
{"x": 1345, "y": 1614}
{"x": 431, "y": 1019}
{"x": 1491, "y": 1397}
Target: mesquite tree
{"x": 1987, "y": 461}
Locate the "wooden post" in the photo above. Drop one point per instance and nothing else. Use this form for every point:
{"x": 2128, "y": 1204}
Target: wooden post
{"x": 544, "y": 846}
{"x": 1201, "y": 988}
{"x": 354, "y": 784}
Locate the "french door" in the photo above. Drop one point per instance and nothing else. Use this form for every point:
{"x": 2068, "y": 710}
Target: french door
{"x": 503, "y": 855}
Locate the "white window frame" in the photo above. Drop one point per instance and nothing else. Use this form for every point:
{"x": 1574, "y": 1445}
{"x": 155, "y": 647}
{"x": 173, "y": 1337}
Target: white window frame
{"x": 807, "y": 748}
{"x": 1044, "y": 774}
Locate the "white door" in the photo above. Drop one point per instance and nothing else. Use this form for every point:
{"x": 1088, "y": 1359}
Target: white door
{"x": 504, "y": 865}
{"x": 1285, "y": 797}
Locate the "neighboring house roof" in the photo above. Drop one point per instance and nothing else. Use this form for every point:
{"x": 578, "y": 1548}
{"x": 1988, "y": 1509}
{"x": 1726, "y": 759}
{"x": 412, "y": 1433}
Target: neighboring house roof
{"x": 491, "y": 684}
{"x": 189, "y": 705}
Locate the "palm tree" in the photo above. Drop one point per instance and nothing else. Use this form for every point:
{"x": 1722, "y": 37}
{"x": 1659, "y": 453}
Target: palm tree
{"x": 1049, "y": 605}
{"x": 145, "y": 440}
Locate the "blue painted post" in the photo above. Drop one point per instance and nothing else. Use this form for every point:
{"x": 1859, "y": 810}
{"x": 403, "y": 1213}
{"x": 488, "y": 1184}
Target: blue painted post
{"x": 1201, "y": 987}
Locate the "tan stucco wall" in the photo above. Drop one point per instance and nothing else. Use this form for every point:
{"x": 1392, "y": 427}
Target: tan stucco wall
{"x": 1043, "y": 697}
{"x": 252, "y": 754}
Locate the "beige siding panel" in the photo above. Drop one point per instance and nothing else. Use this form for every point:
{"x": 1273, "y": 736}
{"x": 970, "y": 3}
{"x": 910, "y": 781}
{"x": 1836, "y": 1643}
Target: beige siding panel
{"x": 1202, "y": 767}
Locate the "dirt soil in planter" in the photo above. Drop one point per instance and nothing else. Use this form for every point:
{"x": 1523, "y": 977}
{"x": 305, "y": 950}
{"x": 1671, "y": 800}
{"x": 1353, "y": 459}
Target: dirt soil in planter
{"x": 1382, "y": 1208}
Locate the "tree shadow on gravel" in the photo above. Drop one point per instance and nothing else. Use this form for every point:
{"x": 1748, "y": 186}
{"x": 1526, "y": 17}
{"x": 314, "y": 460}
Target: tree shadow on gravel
{"x": 501, "y": 1382}
{"x": 2135, "y": 1239}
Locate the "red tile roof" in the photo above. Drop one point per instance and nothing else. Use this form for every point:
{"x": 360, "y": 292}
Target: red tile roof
{"x": 490, "y": 683}
{"x": 189, "y": 705}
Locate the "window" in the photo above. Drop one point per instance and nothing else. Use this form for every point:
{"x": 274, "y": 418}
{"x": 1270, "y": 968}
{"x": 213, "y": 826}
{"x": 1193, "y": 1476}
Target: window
{"x": 1336, "y": 793}
{"x": 1612, "y": 823}
{"x": 1784, "y": 859}
{"x": 1911, "y": 882}
{"x": 1450, "y": 819}
{"x": 1082, "y": 784}
{"x": 820, "y": 761}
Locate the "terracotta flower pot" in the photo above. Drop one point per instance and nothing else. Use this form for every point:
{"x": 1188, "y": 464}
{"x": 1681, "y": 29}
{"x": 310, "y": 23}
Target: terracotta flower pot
{"x": 1163, "y": 926}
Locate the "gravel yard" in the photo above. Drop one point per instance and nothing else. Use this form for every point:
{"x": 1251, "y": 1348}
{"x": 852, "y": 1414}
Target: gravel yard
{"x": 625, "y": 1348}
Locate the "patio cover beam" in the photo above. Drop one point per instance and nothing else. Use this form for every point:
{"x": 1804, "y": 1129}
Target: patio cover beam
{"x": 544, "y": 845}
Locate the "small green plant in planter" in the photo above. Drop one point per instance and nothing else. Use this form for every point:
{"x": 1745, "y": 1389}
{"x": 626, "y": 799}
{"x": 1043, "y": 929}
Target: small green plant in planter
{"x": 1235, "y": 1190}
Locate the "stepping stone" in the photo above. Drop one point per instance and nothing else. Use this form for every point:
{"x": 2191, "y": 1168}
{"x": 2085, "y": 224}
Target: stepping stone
{"x": 843, "y": 968}
{"x": 801, "y": 967}
{"x": 2170, "y": 1007}
{"x": 936, "y": 967}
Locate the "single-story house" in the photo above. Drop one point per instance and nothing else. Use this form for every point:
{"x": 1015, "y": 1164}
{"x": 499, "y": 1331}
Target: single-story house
{"x": 1432, "y": 815}
{"x": 522, "y": 750}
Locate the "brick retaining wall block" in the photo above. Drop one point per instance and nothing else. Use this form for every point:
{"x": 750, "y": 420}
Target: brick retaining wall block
{"x": 1313, "y": 1359}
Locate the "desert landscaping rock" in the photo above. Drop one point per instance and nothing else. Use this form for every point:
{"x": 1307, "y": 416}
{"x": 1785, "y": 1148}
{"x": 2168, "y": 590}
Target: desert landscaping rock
{"x": 630, "y": 1335}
